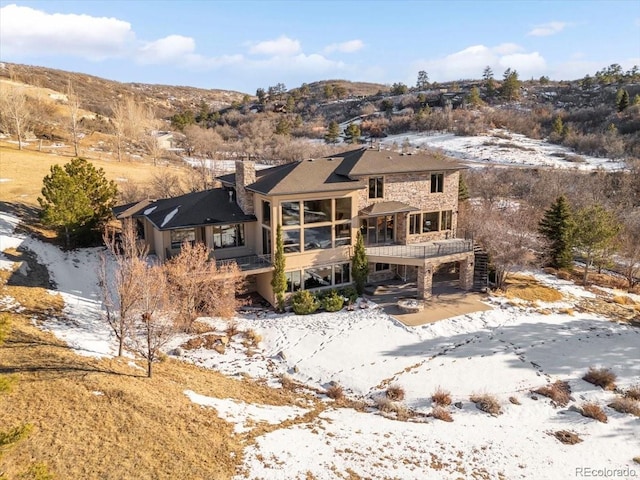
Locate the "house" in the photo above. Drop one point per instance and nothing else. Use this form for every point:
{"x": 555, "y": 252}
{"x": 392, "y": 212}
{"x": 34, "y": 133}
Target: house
{"x": 405, "y": 205}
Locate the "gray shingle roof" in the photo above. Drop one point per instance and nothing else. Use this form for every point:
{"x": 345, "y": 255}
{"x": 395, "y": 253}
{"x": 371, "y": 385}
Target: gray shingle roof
{"x": 384, "y": 208}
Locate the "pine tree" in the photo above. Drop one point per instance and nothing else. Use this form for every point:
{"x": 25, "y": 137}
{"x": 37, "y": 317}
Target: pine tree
{"x": 474, "y": 97}
{"x": 510, "y": 89}
{"x": 622, "y": 99}
{"x": 333, "y": 132}
{"x": 352, "y": 132}
{"x": 463, "y": 190}
{"x": 279, "y": 279}
{"x": 556, "y": 226}
{"x": 423, "y": 80}
{"x": 594, "y": 232}
{"x": 359, "y": 264}
{"x": 558, "y": 126}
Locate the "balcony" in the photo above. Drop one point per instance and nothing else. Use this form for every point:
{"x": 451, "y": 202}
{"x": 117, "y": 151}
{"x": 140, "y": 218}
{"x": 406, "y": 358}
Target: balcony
{"x": 249, "y": 263}
{"x": 416, "y": 253}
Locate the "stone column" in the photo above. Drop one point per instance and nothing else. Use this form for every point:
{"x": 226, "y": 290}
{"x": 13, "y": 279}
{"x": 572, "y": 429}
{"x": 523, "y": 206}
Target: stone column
{"x": 425, "y": 281}
{"x": 466, "y": 272}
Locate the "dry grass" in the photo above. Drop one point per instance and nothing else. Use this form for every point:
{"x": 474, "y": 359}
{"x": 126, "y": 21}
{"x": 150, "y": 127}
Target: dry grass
{"x": 633, "y": 392}
{"x": 526, "y": 288}
{"x": 487, "y": 403}
{"x": 559, "y": 392}
{"x": 441, "y": 413}
{"x": 637, "y": 459}
{"x": 137, "y": 428}
{"x": 441, "y": 397}
{"x": 514, "y": 401}
{"x": 593, "y": 410}
{"x": 623, "y": 300}
{"x": 626, "y": 405}
{"x": 25, "y": 169}
{"x": 566, "y": 437}
{"x": 252, "y": 337}
{"x": 395, "y": 393}
{"x": 385, "y": 405}
{"x": 232, "y": 329}
{"x": 601, "y": 377}
{"x": 335, "y": 391}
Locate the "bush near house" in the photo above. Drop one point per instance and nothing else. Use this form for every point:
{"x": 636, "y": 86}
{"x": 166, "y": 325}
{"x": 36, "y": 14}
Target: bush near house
{"x": 304, "y": 302}
{"x": 332, "y": 302}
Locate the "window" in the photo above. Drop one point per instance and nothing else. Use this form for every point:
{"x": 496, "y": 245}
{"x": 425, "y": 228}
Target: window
{"x": 437, "y": 182}
{"x": 343, "y": 234}
{"x": 445, "y": 223}
{"x": 343, "y": 209}
{"x": 290, "y": 213}
{"x": 414, "y": 224}
{"x": 376, "y": 187}
{"x": 317, "y": 277}
{"x": 228, "y": 236}
{"x": 293, "y": 281}
{"x": 341, "y": 273}
{"x": 291, "y": 241}
{"x": 266, "y": 241}
{"x": 381, "y": 267}
{"x": 317, "y": 237}
{"x": 430, "y": 222}
{"x": 266, "y": 213}
{"x": 317, "y": 211}
{"x": 178, "y": 237}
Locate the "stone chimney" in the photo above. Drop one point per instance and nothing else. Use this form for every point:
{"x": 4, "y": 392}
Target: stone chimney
{"x": 245, "y": 175}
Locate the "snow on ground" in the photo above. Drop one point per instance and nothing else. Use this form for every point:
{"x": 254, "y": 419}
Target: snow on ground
{"x": 220, "y": 167}
{"x": 245, "y": 415}
{"x": 503, "y": 147}
{"x": 506, "y": 352}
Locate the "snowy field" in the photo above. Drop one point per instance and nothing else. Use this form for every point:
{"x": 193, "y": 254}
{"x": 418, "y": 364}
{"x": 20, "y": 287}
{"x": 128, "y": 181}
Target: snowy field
{"x": 505, "y": 352}
{"x": 500, "y": 147}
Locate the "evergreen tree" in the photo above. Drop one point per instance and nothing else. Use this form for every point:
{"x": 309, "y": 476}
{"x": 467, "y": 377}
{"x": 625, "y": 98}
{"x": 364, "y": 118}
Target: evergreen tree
{"x": 474, "y": 97}
{"x": 333, "y": 132}
{"x": 352, "y": 133}
{"x": 594, "y": 232}
{"x": 279, "y": 280}
{"x": 262, "y": 96}
{"x": 558, "y": 126}
{"x": 463, "y": 190}
{"x": 77, "y": 198}
{"x": 359, "y": 264}
{"x": 510, "y": 89}
{"x": 423, "y": 80}
{"x": 556, "y": 226}
{"x": 489, "y": 82}
{"x": 622, "y": 99}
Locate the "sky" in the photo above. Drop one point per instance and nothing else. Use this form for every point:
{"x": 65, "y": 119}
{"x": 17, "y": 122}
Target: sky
{"x": 243, "y": 45}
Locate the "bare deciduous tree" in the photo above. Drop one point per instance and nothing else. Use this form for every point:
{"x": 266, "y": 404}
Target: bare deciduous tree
{"x": 15, "y": 112}
{"x": 154, "y": 326}
{"x": 629, "y": 249}
{"x": 119, "y": 280}
{"x": 199, "y": 287}
{"x": 73, "y": 103}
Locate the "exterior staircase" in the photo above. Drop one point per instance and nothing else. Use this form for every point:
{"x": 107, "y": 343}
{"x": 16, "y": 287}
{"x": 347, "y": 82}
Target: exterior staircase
{"x": 480, "y": 270}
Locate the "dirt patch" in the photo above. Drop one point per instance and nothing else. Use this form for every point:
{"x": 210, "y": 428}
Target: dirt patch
{"x": 29, "y": 273}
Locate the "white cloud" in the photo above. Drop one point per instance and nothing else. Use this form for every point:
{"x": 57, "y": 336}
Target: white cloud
{"x": 470, "y": 62}
{"x": 350, "y": 46}
{"x": 282, "y": 46}
{"x": 546, "y": 29}
{"x": 26, "y": 31}
{"x": 167, "y": 49}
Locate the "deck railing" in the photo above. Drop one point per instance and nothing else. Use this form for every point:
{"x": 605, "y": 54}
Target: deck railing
{"x": 247, "y": 262}
{"x": 432, "y": 250}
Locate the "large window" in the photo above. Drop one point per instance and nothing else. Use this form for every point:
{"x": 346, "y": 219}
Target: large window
{"x": 228, "y": 236}
{"x": 382, "y": 267}
{"x": 437, "y": 182}
{"x": 376, "y": 187}
{"x": 343, "y": 234}
{"x": 178, "y": 237}
{"x": 343, "y": 209}
{"x": 430, "y": 222}
{"x": 317, "y": 277}
{"x": 290, "y": 213}
{"x": 291, "y": 241}
{"x": 293, "y": 281}
{"x": 414, "y": 224}
{"x": 317, "y": 211}
{"x": 266, "y": 213}
{"x": 266, "y": 241}
{"x": 341, "y": 273}
{"x": 317, "y": 237}
{"x": 445, "y": 223}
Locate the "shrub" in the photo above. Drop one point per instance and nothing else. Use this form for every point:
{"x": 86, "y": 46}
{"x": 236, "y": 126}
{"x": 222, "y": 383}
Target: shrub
{"x": 332, "y": 302}
{"x": 37, "y": 471}
{"x": 287, "y": 382}
{"x": 304, "y": 302}
{"x": 514, "y": 400}
{"x": 601, "y": 377}
{"x": 395, "y": 393}
{"x": 441, "y": 397}
{"x": 487, "y": 403}
{"x": 232, "y": 329}
{"x": 593, "y": 410}
{"x": 386, "y": 405}
{"x": 626, "y": 405}
{"x": 633, "y": 392}
{"x": 637, "y": 459}
{"x": 566, "y": 437}
{"x": 14, "y": 434}
{"x": 335, "y": 392}
{"x": 559, "y": 392}
{"x": 6, "y": 383}
{"x": 253, "y": 337}
{"x": 441, "y": 413}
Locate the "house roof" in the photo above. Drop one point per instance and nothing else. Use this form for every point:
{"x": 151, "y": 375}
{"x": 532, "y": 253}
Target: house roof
{"x": 341, "y": 172}
{"x": 210, "y": 207}
{"x": 387, "y": 208}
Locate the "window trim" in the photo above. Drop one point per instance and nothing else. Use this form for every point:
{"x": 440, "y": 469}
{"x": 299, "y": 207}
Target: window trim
{"x": 376, "y": 193}
{"x": 438, "y": 185}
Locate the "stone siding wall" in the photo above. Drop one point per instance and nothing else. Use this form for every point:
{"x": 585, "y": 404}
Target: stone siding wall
{"x": 245, "y": 175}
